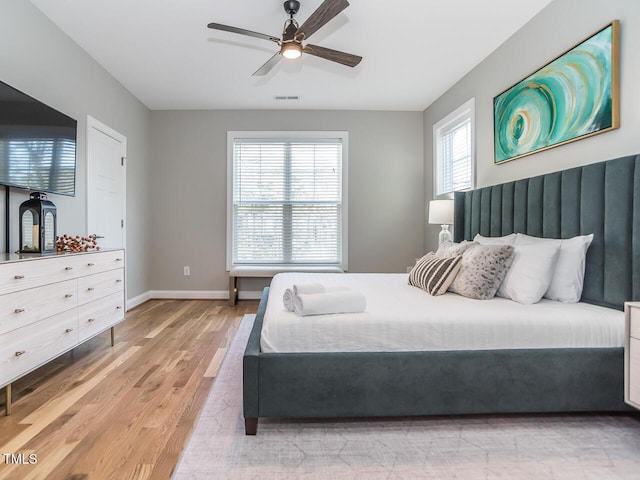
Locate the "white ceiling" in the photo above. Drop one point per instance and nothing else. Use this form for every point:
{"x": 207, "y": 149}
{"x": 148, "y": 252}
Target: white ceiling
{"x": 163, "y": 52}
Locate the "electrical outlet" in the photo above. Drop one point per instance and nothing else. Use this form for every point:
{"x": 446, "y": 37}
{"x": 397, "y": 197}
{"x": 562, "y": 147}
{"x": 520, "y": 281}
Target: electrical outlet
{"x": 187, "y": 271}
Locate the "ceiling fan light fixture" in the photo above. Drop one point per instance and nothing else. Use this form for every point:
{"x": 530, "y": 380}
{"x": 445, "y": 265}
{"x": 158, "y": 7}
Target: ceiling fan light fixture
{"x": 291, "y": 50}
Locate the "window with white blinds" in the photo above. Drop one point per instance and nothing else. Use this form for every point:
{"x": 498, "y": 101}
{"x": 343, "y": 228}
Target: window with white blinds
{"x": 454, "y": 150}
{"x": 287, "y": 198}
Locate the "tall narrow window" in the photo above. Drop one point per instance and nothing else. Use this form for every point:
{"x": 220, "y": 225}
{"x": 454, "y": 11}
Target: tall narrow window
{"x": 454, "y": 150}
{"x": 286, "y": 204}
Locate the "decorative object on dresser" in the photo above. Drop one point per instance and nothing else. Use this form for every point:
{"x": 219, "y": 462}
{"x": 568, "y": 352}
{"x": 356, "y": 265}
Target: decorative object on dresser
{"x": 441, "y": 213}
{"x": 632, "y": 354}
{"x": 574, "y": 96}
{"x": 51, "y": 304}
{"x": 69, "y": 243}
{"x": 38, "y": 225}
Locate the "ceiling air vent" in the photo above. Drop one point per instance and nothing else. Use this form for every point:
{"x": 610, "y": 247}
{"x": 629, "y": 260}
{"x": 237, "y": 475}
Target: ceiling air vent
{"x": 286, "y": 97}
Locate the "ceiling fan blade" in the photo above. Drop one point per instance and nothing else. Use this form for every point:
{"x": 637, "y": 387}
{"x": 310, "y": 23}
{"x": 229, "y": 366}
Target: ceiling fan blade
{"x": 325, "y": 12}
{"x": 266, "y": 68}
{"x": 333, "y": 55}
{"x": 242, "y": 31}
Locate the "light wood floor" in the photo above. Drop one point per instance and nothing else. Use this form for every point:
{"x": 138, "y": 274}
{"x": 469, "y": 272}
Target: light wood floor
{"x": 122, "y": 412}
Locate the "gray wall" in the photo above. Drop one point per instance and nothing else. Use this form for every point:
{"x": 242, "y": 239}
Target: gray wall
{"x": 37, "y": 58}
{"x": 189, "y": 148}
{"x": 560, "y": 26}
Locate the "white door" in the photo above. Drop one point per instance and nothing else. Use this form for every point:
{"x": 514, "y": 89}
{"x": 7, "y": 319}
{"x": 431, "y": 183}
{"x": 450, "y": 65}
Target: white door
{"x": 106, "y": 184}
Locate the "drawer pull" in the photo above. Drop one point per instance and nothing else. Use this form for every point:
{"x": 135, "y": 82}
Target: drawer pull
{"x": 18, "y": 277}
{"x": 118, "y": 307}
{"x": 91, "y": 289}
{"x": 118, "y": 259}
{"x": 118, "y": 281}
{"x": 68, "y": 295}
{"x": 68, "y": 268}
{"x": 21, "y": 352}
{"x": 90, "y": 264}
{"x": 68, "y": 330}
{"x": 91, "y": 320}
{"x": 18, "y": 310}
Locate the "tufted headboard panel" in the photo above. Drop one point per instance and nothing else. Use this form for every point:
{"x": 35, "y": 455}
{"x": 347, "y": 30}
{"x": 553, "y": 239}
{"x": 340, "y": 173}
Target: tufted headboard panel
{"x": 601, "y": 198}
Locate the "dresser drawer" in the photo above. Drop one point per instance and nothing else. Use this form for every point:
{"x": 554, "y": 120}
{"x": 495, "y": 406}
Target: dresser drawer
{"x": 23, "y": 308}
{"x": 16, "y": 276}
{"x": 634, "y": 322}
{"x": 96, "y": 316}
{"x": 100, "y": 285}
{"x": 27, "y": 348}
{"x": 100, "y": 262}
{"x": 634, "y": 371}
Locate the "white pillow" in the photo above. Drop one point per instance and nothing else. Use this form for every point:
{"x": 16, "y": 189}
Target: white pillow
{"x": 568, "y": 278}
{"x": 508, "y": 239}
{"x": 530, "y": 273}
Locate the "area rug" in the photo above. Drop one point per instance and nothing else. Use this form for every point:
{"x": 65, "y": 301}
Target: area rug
{"x": 477, "y": 447}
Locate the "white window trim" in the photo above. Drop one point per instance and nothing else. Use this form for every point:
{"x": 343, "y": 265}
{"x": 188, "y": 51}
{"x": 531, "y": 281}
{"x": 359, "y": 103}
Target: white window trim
{"x": 468, "y": 109}
{"x": 267, "y": 135}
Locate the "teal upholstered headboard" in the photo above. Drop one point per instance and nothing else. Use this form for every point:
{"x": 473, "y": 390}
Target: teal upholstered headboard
{"x": 600, "y": 198}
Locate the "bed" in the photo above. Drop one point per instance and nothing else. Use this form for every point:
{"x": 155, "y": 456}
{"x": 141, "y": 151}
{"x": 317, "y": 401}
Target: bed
{"x": 599, "y": 198}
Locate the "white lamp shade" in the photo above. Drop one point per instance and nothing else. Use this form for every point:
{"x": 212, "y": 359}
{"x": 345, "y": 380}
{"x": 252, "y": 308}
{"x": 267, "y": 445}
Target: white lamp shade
{"x": 441, "y": 212}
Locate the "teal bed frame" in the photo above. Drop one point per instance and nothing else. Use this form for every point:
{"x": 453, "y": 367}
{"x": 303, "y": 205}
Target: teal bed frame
{"x": 601, "y": 198}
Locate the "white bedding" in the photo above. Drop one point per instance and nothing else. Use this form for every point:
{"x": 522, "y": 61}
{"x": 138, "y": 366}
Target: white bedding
{"x": 400, "y": 317}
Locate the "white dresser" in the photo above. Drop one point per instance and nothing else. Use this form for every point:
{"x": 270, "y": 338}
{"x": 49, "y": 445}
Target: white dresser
{"x": 632, "y": 354}
{"x": 50, "y": 304}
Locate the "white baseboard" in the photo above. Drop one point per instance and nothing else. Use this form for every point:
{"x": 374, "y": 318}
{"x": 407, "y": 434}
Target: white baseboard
{"x": 189, "y": 295}
{"x": 139, "y": 300}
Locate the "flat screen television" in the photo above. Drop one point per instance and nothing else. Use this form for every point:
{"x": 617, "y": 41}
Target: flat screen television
{"x": 37, "y": 145}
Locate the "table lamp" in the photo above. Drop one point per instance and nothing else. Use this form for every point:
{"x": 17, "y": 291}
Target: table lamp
{"x": 441, "y": 213}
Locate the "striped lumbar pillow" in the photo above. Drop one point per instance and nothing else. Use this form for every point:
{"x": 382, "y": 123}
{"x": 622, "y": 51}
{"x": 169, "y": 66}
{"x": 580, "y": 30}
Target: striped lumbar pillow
{"x": 434, "y": 274}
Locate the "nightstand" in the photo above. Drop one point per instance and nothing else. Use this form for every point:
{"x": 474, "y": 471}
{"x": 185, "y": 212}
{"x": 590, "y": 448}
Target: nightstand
{"x": 632, "y": 354}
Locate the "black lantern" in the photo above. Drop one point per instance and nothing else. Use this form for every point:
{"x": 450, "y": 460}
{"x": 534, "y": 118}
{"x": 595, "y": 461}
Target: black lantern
{"x": 38, "y": 225}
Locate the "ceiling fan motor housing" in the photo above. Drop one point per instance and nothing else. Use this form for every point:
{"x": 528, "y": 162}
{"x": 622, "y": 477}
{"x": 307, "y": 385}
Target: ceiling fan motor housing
{"x": 291, "y": 7}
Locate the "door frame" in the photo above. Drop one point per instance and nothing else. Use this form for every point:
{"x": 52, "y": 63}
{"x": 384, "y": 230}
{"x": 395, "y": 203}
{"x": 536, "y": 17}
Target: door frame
{"x": 94, "y": 124}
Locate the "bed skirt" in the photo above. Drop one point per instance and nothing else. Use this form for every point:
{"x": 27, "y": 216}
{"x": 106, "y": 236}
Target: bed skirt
{"x": 386, "y": 384}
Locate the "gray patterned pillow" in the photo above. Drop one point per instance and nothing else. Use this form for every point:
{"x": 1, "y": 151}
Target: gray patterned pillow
{"x": 483, "y": 269}
{"x": 451, "y": 249}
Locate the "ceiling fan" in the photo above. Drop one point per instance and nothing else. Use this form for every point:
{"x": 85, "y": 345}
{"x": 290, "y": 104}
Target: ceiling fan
{"x": 293, "y": 35}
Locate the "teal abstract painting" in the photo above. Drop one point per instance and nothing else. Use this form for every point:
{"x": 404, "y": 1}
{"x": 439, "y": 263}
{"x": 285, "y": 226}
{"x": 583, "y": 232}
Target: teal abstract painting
{"x": 574, "y": 96}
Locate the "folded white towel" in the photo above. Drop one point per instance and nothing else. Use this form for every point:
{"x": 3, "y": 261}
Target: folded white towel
{"x": 346, "y": 301}
{"x": 306, "y": 289}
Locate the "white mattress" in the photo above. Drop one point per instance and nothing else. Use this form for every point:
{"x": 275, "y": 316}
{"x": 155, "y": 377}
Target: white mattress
{"x": 400, "y": 317}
